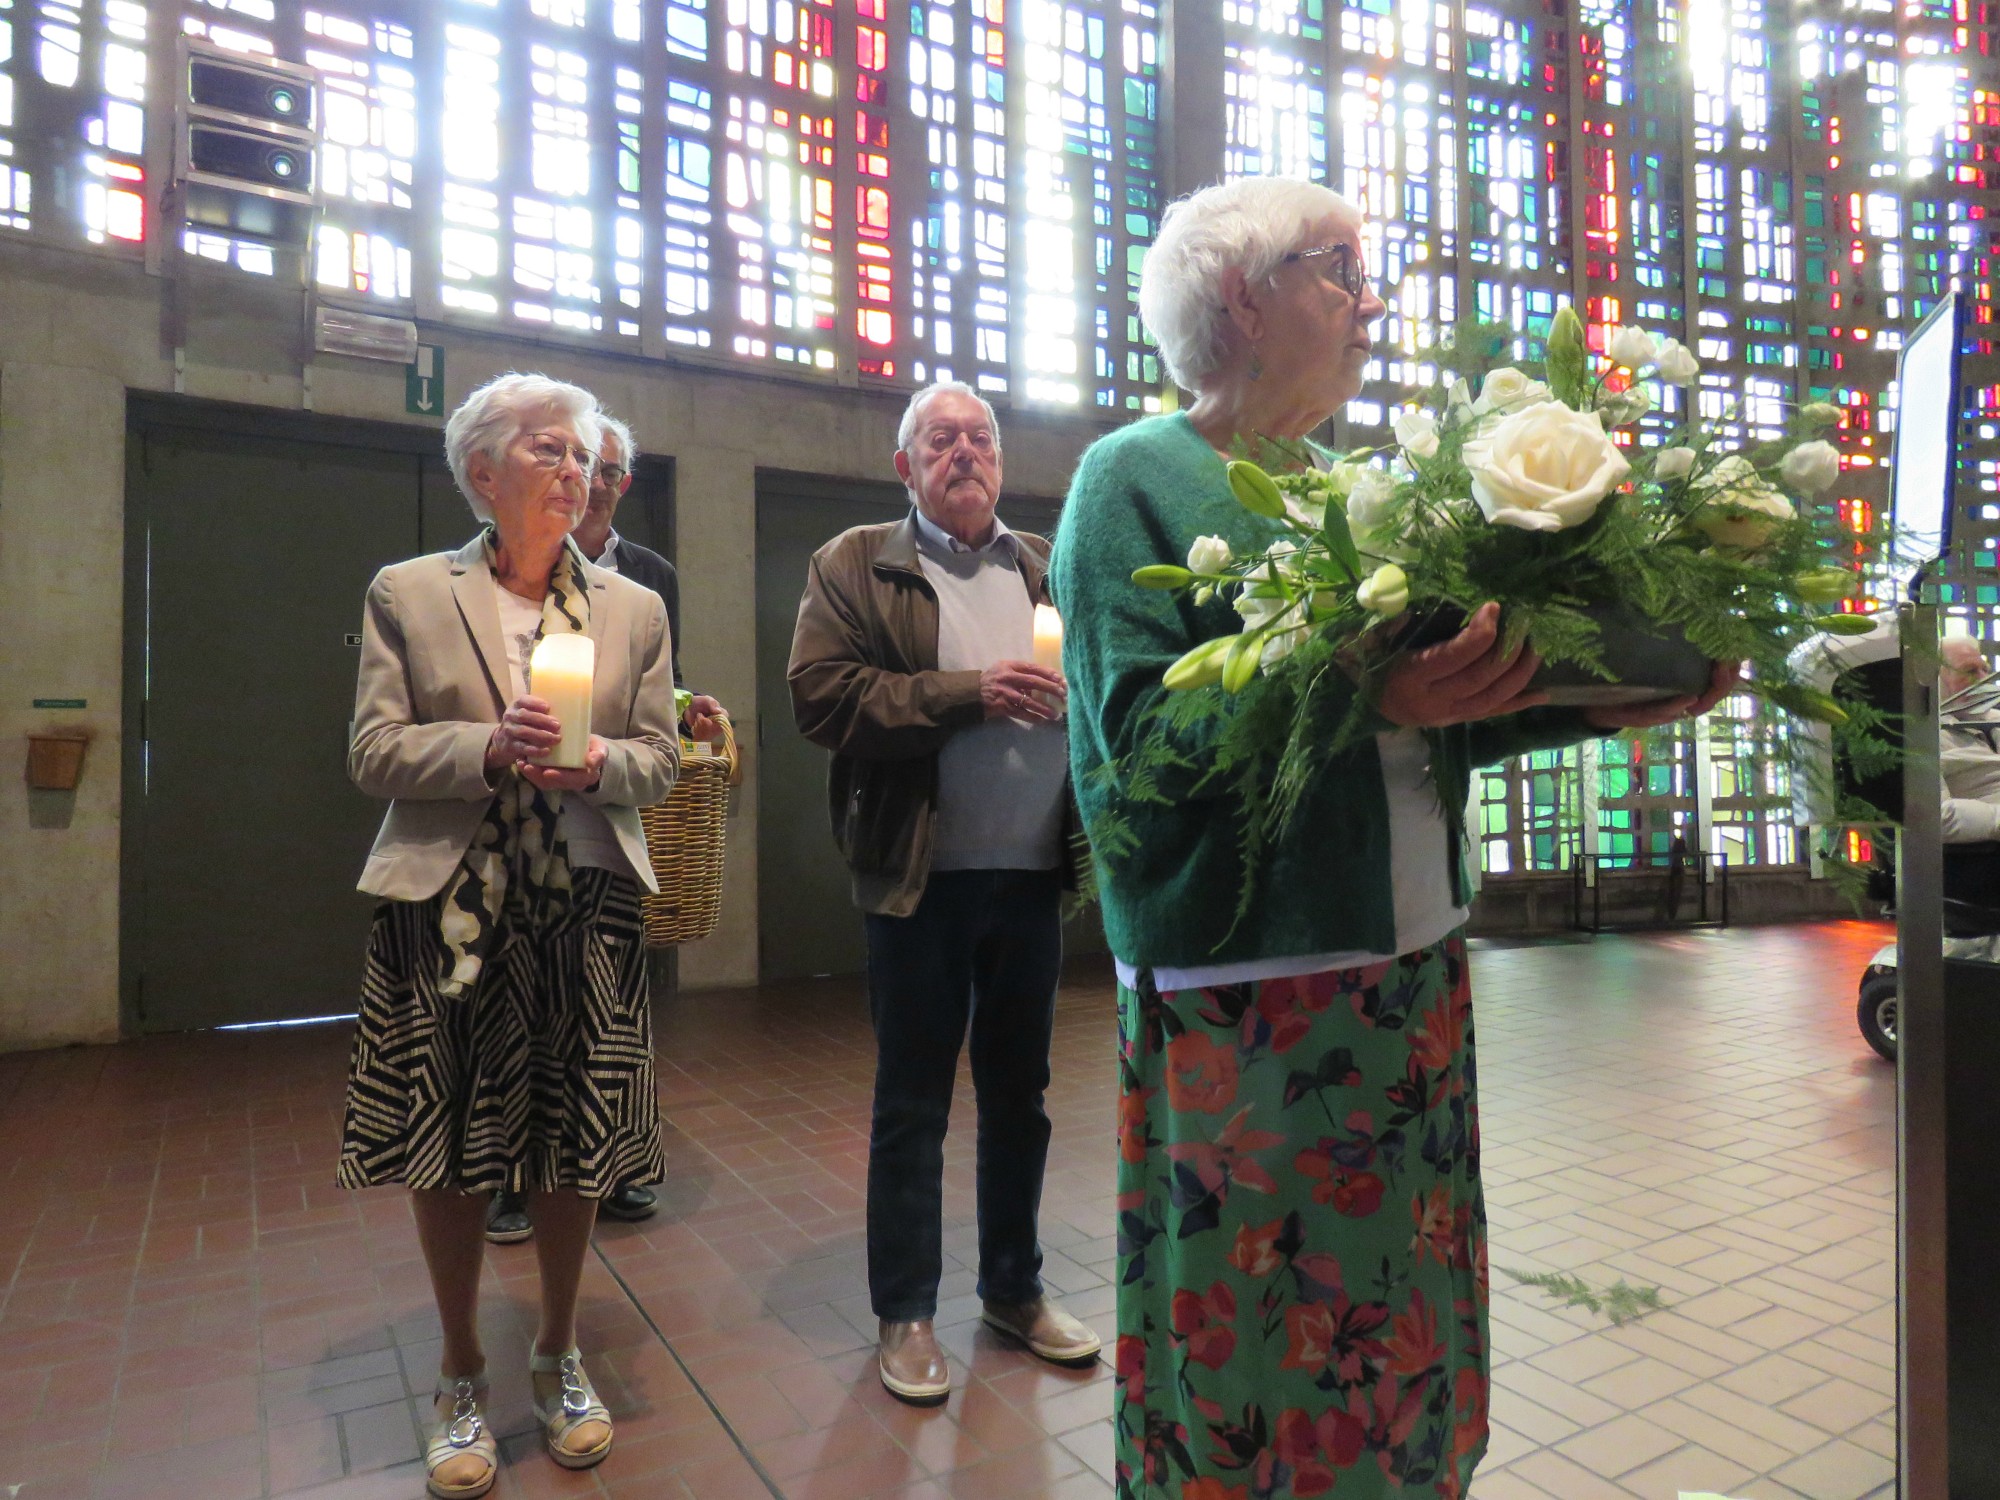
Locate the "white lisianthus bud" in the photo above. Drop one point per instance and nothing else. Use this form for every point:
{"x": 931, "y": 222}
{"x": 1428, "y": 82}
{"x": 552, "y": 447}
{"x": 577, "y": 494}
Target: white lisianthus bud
{"x": 1544, "y": 469}
{"x": 1372, "y": 513}
{"x": 1620, "y": 408}
{"x": 1209, "y": 554}
{"x": 1674, "y": 463}
{"x": 1676, "y": 364}
{"x": 1741, "y": 507}
{"x": 1385, "y": 592}
{"x": 1417, "y": 431}
{"x": 1819, "y": 413}
{"x": 1507, "y": 389}
{"x": 1457, "y": 403}
{"x": 1811, "y": 467}
{"x": 1632, "y": 347}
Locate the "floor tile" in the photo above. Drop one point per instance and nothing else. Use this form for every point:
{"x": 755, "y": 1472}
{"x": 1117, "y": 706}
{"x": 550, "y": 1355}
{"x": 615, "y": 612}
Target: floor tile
{"x": 1688, "y": 1111}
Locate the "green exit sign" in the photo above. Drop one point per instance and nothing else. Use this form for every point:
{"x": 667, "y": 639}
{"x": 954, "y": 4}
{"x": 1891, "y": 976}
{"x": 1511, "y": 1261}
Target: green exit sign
{"x": 423, "y": 382}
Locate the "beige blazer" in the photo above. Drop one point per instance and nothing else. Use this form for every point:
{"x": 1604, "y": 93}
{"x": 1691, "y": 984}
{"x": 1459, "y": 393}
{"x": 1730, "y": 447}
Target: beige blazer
{"x": 434, "y": 683}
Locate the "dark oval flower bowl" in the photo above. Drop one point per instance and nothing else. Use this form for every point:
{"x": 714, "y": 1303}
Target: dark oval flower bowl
{"x": 1647, "y": 661}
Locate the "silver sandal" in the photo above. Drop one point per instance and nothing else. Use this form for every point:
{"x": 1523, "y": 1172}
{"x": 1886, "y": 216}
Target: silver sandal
{"x": 463, "y": 1433}
{"x": 575, "y": 1404}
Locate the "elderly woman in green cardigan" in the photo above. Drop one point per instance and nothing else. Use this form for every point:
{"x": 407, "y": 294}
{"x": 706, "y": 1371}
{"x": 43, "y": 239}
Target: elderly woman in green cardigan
{"x": 1302, "y": 1304}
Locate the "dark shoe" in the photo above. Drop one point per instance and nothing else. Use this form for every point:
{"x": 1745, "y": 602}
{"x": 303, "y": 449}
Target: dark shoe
{"x": 630, "y": 1204}
{"x": 1045, "y": 1328}
{"x": 507, "y": 1220}
{"x": 912, "y": 1365}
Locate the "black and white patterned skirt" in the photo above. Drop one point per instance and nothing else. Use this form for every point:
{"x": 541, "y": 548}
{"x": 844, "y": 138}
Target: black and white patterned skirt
{"x": 541, "y": 1078}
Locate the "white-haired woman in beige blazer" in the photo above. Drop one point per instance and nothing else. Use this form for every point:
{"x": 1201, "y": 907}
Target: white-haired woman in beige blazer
{"x": 504, "y": 1038}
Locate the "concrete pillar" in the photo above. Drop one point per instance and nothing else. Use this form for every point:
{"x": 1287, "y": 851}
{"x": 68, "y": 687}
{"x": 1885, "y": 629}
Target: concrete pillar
{"x": 62, "y": 568}
{"x": 715, "y": 501}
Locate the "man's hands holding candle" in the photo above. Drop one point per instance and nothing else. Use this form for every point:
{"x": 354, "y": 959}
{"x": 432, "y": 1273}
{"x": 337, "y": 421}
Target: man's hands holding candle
{"x": 1022, "y": 690}
{"x": 528, "y": 731}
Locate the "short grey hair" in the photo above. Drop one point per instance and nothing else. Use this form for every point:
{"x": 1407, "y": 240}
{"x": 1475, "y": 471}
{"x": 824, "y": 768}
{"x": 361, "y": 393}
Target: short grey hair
{"x": 1250, "y": 225}
{"x": 906, "y": 430}
{"x": 621, "y": 434}
{"x": 498, "y": 412}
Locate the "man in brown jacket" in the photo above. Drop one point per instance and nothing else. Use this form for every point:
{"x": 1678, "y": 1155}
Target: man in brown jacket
{"x": 948, "y": 791}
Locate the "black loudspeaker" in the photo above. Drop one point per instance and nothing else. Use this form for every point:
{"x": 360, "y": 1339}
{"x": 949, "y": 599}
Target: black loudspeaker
{"x": 246, "y": 142}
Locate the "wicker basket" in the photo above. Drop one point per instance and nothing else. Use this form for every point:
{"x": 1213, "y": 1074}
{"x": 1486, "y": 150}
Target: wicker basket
{"x": 684, "y": 837}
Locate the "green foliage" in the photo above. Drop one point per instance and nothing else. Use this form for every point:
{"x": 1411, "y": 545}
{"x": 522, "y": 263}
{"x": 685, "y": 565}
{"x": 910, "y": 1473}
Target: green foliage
{"x": 1620, "y": 1303}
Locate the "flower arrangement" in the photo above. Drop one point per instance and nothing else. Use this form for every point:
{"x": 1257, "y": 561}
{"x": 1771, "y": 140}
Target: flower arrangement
{"x": 1507, "y": 483}
{"x": 1520, "y": 492}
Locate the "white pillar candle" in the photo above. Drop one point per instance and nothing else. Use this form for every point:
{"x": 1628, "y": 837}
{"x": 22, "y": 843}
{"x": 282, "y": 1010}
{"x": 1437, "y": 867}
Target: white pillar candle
{"x": 560, "y": 673}
{"x": 1048, "y": 637}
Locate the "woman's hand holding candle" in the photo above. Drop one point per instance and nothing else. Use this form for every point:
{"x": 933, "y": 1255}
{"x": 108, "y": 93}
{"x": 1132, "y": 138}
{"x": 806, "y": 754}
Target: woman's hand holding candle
{"x": 563, "y": 779}
{"x": 526, "y": 733}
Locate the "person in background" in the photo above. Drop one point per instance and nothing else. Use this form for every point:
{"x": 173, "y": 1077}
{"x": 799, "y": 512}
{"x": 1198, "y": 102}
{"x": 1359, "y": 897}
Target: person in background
{"x": 949, "y": 801}
{"x": 1969, "y": 763}
{"x": 507, "y": 1220}
{"x": 503, "y": 1039}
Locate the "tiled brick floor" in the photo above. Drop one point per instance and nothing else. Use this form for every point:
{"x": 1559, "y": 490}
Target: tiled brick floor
{"x": 190, "y": 1308}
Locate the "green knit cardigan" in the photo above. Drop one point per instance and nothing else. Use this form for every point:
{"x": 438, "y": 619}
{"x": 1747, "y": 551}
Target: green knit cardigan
{"x": 1142, "y": 495}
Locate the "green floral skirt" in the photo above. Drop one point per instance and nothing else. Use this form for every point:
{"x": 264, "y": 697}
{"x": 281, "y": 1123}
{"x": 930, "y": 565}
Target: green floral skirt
{"x": 1301, "y": 1237}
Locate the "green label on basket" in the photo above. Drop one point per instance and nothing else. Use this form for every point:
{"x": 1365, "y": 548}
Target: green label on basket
{"x": 61, "y": 703}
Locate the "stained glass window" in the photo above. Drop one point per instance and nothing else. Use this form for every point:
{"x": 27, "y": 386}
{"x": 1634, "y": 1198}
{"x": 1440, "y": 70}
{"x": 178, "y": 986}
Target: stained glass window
{"x": 73, "y": 119}
{"x": 885, "y": 192}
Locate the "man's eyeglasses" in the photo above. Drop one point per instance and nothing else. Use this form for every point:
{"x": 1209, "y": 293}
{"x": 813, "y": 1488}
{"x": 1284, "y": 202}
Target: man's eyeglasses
{"x": 612, "y": 474}
{"x": 549, "y": 451}
{"x": 1342, "y": 268}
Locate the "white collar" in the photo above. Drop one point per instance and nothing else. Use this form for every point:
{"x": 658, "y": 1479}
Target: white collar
{"x": 944, "y": 541}
{"x": 606, "y": 558}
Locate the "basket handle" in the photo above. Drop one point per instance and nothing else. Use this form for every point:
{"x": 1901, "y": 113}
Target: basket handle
{"x": 730, "y": 755}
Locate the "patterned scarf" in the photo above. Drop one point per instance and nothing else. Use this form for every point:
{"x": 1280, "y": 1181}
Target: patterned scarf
{"x": 517, "y": 861}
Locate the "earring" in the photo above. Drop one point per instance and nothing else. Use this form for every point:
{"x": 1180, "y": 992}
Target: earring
{"x": 1256, "y": 364}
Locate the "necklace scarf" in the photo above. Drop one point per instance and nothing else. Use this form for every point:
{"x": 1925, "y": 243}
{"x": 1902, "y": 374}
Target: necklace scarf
{"x": 517, "y": 862}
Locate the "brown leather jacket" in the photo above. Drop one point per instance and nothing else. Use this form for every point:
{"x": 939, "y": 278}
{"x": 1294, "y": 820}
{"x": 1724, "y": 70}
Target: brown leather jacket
{"x": 866, "y": 685}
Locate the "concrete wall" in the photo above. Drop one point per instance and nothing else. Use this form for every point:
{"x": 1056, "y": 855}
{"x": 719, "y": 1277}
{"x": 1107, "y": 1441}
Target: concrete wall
{"x": 76, "y": 333}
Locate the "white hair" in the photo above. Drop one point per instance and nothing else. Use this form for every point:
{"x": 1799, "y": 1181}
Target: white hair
{"x": 618, "y": 431}
{"x": 1962, "y": 652}
{"x": 1249, "y": 225}
{"x": 499, "y": 411}
{"x": 906, "y": 430}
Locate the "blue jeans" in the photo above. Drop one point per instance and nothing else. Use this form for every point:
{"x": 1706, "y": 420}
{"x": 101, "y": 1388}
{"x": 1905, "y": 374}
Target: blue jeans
{"x": 984, "y": 948}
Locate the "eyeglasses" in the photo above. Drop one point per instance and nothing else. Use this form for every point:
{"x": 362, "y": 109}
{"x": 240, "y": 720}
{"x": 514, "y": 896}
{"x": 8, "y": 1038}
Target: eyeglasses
{"x": 548, "y": 451}
{"x": 612, "y": 474}
{"x": 1346, "y": 269}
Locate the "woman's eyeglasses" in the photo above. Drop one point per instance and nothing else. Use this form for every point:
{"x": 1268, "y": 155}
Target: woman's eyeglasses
{"x": 549, "y": 451}
{"x": 1343, "y": 268}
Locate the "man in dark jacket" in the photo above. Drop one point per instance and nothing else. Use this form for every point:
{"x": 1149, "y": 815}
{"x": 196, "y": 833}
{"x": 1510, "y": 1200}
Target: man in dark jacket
{"x": 507, "y": 1219}
{"x": 949, "y": 798}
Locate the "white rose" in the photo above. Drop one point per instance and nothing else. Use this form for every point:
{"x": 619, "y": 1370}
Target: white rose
{"x": 1740, "y": 507}
{"x": 1811, "y": 467}
{"x": 1507, "y": 389}
{"x": 1632, "y": 347}
{"x": 1674, "y": 463}
{"x": 1620, "y": 408}
{"x": 1676, "y": 365}
{"x": 1283, "y": 643}
{"x": 1259, "y": 609}
{"x": 1417, "y": 431}
{"x": 1209, "y": 554}
{"x": 1544, "y": 468}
